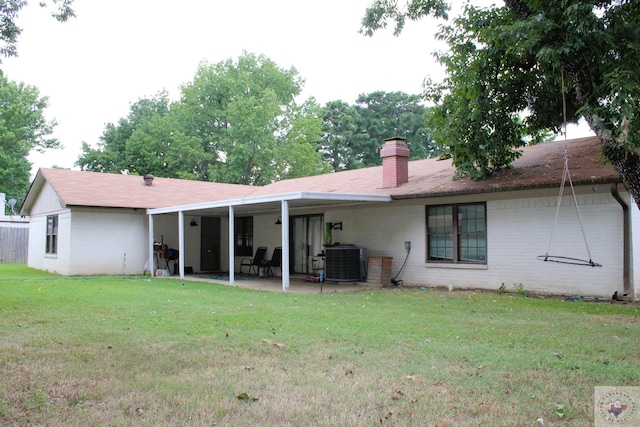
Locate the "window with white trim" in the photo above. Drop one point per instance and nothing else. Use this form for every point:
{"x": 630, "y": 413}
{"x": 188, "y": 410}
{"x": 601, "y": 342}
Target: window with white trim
{"x": 52, "y": 235}
{"x": 457, "y": 233}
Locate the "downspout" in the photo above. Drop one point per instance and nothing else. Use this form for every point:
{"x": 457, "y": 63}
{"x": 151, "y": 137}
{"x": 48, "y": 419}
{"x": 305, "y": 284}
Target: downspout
{"x": 626, "y": 245}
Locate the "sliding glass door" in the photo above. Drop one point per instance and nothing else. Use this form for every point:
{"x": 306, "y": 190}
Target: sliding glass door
{"x": 307, "y": 237}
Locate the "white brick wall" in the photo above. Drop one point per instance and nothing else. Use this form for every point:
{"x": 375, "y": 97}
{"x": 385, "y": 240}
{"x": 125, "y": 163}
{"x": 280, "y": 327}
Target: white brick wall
{"x": 108, "y": 241}
{"x": 37, "y": 239}
{"x": 54, "y": 263}
{"x": 383, "y": 229}
{"x": 518, "y": 231}
{"x": 48, "y": 203}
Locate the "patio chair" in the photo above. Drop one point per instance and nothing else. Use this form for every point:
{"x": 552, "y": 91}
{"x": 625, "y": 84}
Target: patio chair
{"x": 255, "y": 263}
{"x": 275, "y": 261}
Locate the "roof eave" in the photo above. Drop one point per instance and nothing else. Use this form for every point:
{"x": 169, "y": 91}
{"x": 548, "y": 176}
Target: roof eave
{"x": 30, "y": 198}
{"x": 502, "y": 189}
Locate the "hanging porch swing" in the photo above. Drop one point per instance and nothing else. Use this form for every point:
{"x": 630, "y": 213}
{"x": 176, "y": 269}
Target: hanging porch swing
{"x": 566, "y": 176}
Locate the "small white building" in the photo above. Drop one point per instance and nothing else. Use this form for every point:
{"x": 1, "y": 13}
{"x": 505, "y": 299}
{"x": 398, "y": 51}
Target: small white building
{"x": 432, "y": 229}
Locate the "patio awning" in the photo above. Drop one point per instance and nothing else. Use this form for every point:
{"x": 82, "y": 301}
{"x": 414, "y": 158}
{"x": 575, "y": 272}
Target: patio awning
{"x": 272, "y": 203}
{"x": 248, "y": 205}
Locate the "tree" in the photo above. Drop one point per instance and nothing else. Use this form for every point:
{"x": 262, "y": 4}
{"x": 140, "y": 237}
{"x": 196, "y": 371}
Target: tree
{"x": 160, "y": 147}
{"x": 236, "y": 122}
{"x": 9, "y": 30}
{"x": 354, "y": 134}
{"x": 243, "y": 111}
{"x": 23, "y": 128}
{"x": 343, "y": 134}
{"x": 505, "y": 72}
{"x": 148, "y": 140}
{"x": 296, "y": 153}
{"x": 22, "y": 124}
{"x": 394, "y": 114}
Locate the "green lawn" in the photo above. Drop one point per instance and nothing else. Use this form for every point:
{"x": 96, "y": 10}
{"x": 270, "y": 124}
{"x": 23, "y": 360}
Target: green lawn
{"x": 129, "y": 351}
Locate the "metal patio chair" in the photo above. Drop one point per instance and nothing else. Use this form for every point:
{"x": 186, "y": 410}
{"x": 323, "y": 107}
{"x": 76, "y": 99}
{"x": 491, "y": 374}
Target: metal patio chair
{"x": 275, "y": 261}
{"x": 256, "y": 262}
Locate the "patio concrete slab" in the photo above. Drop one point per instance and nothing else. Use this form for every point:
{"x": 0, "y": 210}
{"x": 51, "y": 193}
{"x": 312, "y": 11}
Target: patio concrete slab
{"x": 297, "y": 285}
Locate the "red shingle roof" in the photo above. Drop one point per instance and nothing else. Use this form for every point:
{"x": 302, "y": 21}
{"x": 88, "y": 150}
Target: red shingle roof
{"x": 540, "y": 166}
{"x": 78, "y": 188}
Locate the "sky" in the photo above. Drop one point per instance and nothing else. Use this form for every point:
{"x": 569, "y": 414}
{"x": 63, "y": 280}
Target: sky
{"x": 116, "y": 52}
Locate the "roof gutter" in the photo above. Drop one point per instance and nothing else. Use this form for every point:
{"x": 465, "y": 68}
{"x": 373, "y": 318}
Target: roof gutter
{"x": 498, "y": 189}
{"x": 626, "y": 248}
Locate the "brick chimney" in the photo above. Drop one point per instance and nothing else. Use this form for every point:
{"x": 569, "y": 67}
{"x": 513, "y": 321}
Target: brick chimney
{"x": 395, "y": 162}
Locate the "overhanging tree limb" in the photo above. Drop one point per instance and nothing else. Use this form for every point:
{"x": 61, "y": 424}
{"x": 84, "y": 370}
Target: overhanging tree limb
{"x": 9, "y": 30}
{"x": 503, "y": 78}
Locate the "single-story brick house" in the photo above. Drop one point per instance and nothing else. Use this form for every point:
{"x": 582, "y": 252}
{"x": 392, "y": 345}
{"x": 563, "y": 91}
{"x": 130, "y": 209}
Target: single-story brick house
{"x": 432, "y": 229}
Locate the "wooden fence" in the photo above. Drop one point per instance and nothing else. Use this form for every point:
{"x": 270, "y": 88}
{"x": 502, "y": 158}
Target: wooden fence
{"x": 14, "y": 243}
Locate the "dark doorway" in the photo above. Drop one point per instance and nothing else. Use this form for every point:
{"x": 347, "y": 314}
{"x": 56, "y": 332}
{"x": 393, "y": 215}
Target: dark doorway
{"x": 210, "y": 243}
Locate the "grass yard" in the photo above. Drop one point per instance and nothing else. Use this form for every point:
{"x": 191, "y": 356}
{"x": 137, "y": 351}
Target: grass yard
{"x": 114, "y": 351}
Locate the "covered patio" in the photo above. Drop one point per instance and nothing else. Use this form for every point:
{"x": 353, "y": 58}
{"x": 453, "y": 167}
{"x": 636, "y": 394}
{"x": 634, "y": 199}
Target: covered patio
{"x": 276, "y": 203}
